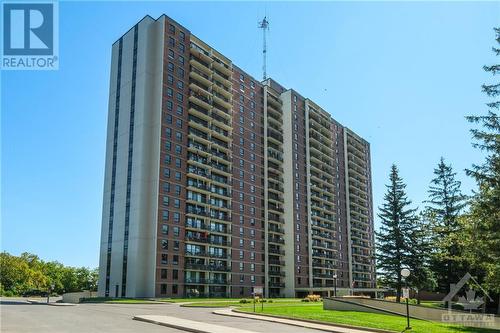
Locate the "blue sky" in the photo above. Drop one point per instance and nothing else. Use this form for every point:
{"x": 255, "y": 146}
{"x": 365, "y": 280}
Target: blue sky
{"x": 402, "y": 75}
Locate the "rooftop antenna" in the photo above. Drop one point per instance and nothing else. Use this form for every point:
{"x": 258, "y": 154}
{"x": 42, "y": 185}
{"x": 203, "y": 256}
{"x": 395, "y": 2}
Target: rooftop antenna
{"x": 264, "y": 25}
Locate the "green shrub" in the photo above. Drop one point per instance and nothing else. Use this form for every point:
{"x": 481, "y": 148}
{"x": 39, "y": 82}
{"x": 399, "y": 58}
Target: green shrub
{"x": 244, "y": 301}
{"x": 270, "y": 301}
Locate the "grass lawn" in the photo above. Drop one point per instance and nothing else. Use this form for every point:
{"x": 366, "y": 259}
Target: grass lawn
{"x": 197, "y": 300}
{"x": 236, "y": 302}
{"x": 314, "y": 311}
{"x": 117, "y": 300}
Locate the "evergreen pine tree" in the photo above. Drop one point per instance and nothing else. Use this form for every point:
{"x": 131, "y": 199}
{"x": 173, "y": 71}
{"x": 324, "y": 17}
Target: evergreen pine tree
{"x": 445, "y": 205}
{"x": 482, "y": 224}
{"x": 394, "y": 239}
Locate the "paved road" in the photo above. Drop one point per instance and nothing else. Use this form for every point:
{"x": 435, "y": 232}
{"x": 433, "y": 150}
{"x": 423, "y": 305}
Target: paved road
{"x": 21, "y": 317}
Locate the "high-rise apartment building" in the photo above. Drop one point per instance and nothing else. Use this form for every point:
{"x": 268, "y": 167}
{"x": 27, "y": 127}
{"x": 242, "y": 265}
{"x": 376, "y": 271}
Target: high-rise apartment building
{"x": 216, "y": 183}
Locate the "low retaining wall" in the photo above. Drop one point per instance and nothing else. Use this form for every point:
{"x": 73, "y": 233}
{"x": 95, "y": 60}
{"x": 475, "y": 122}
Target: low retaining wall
{"x": 75, "y": 297}
{"x": 371, "y": 305}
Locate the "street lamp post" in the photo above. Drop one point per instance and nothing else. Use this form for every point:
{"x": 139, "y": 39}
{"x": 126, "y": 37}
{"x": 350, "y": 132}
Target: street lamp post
{"x": 335, "y": 285}
{"x": 405, "y": 272}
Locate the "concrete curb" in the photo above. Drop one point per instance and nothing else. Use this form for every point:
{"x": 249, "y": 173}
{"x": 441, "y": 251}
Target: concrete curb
{"x": 182, "y": 328}
{"x": 50, "y": 304}
{"x": 299, "y": 322}
{"x": 187, "y": 325}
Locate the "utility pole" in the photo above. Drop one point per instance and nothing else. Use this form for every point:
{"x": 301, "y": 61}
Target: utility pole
{"x": 264, "y": 25}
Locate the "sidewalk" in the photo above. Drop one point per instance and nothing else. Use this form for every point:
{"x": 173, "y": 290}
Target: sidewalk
{"x": 300, "y": 323}
{"x": 188, "y": 325}
{"x": 40, "y": 302}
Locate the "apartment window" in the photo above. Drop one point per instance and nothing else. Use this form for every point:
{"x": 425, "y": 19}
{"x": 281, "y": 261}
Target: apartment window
{"x": 175, "y": 260}
{"x": 166, "y": 172}
{"x": 164, "y": 244}
{"x": 180, "y": 110}
{"x": 169, "y": 118}
{"x": 175, "y": 289}
{"x": 178, "y": 122}
{"x": 181, "y": 60}
{"x": 252, "y": 267}
{"x": 180, "y": 97}
{"x": 164, "y": 258}
{"x": 177, "y": 189}
{"x": 177, "y": 203}
{"x": 252, "y": 278}
{"x": 171, "y": 42}
{"x": 180, "y": 85}
{"x": 252, "y": 84}
{"x": 163, "y": 289}
{"x": 242, "y": 267}
{"x": 242, "y": 87}
{"x": 166, "y": 201}
{"x": 252, "y": 232}
{"x": 164, "y": 229}
{"x": 252, "y": 244}
{"x": 170, "y": 79}
{"x": 241, "y": 254}
{"x": 178, "y": 136}
{"x": 177, "y": 217}
{"x": 178, "y": 149}
{"x": 252, "y": 255}
{"x": 170, "y": 54}
{"x": 171, "y": 28}
{"x": 165, "y": 215}
{"x": 252, "y": 104}
{"x": 242, "y": 279}
{"x": 176, "y": 231}
{"x": 180, "y": 72}
{"x": 176, "y": 245}
{"x": 170, "y": 92}
{"x": 175, "y": 274}
{"x": 170, "y": 67}
{"x": 163, "y": 273}
{"x": 182, "y": 35}
{"x": 182, "y": 48}
{"x": 168, "y": 159}
{"x": 242, "y": 77}
{"x": 241, "y": 231}
{"x": 170, "y": 105}
{"x": 178, "y": 175}
{"x": 178, "y": 162}
{"x": 241, "y": 242}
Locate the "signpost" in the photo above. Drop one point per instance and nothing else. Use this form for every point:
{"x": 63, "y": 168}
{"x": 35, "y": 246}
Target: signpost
{"x": 406, "y": 293}
{"x": 258, "y": 291}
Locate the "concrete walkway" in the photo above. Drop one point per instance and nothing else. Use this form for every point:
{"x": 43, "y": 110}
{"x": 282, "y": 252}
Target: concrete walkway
{"x": 300, "y": 323}
{"x": 188, "y": 325}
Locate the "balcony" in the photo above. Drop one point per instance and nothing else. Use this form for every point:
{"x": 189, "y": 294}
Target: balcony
{"x": 203, "y": 267}
{"x": 276, "y": 240}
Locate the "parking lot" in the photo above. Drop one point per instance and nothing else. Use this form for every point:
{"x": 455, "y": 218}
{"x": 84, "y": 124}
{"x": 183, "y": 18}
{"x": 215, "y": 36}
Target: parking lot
{"x": 17, "y": 315}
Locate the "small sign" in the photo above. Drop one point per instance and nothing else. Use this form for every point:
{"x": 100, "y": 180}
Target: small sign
{"x": 258, "y": 290}
{"x": 406, "y": 292}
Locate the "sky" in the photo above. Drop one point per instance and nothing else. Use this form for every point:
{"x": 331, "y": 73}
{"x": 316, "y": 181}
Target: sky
{"x": 401, "y": 74}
